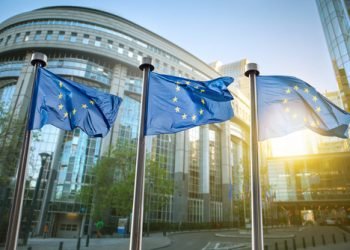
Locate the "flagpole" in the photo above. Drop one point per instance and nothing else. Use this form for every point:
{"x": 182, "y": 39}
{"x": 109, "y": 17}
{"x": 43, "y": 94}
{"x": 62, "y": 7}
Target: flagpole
{"x": 137, "y": 210}
{"x": 37, "y": 60}
{"x": 256, "y": 209}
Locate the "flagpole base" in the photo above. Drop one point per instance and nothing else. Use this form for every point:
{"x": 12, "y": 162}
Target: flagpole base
{"x": 39, "y": 58}
{"x": 251, "y": 68}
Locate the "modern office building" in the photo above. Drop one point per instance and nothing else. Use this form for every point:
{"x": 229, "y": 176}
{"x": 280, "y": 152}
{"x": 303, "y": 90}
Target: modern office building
{"x": 335, "y": 21}
{"x": 104, "y": 51}
{"x": 311, "y": 185}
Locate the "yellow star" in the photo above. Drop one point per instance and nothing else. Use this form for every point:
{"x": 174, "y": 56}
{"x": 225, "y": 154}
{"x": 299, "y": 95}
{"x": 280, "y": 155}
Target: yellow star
{"x": 92, "y": 102}
{"x": 60, "y": 107}
{"x": 294, "y": 116}
{"x": 184, "y": 116}
{"x": 314, "y": 98}
{"x": 201, "y": 111}
{"x": 60, "y": 84}
{"x": 306, "y": 90}
{"x": 287, "y": 110}
{"x": 288, "y": 91}
{"x": 194, "y": 117}
{"x": 296, "y": 87}
{"x": 285, "y": 101}
{"x": 60, "y": 96}
{"x": 74, "y": 111}
{"x": 178, "y": 82}
{"x": 177, "y": 88}
{"x": 202, "y": 90}
{"x": 318, "y": 109}
{"x": 188, "y": 82}
{"x": 196, "y": 87}
{"x": 174, "y": 99}
{"x": 65, "y": 115}
{"x": 84, "y": 106}
{"x": 177, "y": 109}
{"x": 312, "y": 124}
{"x": 202, "y": 101}
{"x": 305, "y": 119}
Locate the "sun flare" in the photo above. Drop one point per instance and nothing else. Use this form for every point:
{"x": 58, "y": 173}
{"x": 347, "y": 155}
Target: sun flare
{"x": 298, "y": 143}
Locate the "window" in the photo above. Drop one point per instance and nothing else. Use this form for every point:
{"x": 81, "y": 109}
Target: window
{"x": 131, "y": 52}
{"x": 73, "y": 37}
{"x": 110, "y": 44}
{"x": 49, "y": 35}
{"x": 37, "y": 35}
{"x": 86, "y": 39}
{"x": 7, "y": 40}
{"x": 17, "y": 38}
{"x": 26, "y": 36}
{"x": 156, "y": 64}
{"x": 61, "y": 36}
{"x": 139, "y": 57}
{"x": 98, "y": 41}
{"x": 121, "y": 49}
{"x": 1, "y": 40}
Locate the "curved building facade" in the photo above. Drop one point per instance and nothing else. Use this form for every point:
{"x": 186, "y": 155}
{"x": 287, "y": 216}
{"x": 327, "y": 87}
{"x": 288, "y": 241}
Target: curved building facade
{"x": 103, "y": 50}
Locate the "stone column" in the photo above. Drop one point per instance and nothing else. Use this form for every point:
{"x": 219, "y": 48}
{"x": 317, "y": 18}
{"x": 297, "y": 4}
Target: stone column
{"x": 180, "y": 203}
{"x": 21, "y": 97}
{"x": 227, "y": 184}
{"x": 204, "y": 165}
{"x": 119, "y": 77}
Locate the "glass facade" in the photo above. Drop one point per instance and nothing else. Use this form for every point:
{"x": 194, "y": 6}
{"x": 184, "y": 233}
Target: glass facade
{"x": 319, "y": 183}
{"x": 73, "y": 154}
{"x": 97, "y": 42}
{"x": 6, "y": 94}
{"x": 336, "y": 26}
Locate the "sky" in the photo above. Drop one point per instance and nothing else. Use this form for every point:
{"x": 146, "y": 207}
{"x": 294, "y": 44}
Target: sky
{"x": 284, "y": 37}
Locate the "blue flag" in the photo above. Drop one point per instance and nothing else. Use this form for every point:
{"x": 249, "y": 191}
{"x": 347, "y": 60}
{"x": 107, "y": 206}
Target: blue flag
{"x": 176, "y": 104}
{"x": 66, "y": 104}
{"x": 287, "y": 104}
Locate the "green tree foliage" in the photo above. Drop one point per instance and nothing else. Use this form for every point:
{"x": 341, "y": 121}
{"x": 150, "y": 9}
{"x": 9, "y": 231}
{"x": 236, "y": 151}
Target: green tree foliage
{"x": 11, "y": 138}
{"x": 112, "y": 187}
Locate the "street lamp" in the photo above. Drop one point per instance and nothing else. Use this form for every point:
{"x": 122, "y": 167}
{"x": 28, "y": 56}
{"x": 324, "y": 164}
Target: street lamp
{"x": 44, "y": 161}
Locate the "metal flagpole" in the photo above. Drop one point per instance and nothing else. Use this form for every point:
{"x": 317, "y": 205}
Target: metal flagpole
{"x": 38, "y": 59}
{"x": 137, "y": 210}
{"x": 256, "y": 209}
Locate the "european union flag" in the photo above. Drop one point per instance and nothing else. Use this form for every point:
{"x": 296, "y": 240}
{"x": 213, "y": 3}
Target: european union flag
{"x": 287, "y": 104}
{"x": 176, "y": 104}
{"x": 66, "y": 104}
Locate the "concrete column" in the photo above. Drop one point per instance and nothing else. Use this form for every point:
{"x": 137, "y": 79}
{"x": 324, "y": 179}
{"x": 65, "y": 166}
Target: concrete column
{"x": 204, "y": 165}
{"x": 21, "y": 97}
{"x": 227, "y": 184}
{"x": 181, "y": 176}
{"x": 119, "y": 77}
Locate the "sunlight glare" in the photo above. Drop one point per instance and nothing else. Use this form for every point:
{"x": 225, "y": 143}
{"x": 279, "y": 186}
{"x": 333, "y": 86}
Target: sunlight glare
{"x": 298, "y": 143}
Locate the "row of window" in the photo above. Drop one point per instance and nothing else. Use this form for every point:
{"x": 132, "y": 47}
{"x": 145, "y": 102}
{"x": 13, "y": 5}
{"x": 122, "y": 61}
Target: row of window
{"x": 109, "y": 42}
{"x": 87, "y": 39}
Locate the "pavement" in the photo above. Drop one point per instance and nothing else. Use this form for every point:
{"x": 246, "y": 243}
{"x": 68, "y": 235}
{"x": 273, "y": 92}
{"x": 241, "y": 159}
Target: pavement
{"x": 154, "y": 241}
{"x": 213, "y": 239}
{"x": 339, "y": 246}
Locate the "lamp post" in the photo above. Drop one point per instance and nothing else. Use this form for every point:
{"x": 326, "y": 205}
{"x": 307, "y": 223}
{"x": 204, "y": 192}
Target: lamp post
{"x": 44, "y": 160}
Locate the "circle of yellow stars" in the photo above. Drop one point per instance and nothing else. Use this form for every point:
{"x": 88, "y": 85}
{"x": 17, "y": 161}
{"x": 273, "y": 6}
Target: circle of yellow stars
{"x": 74, "y": 110}
{"x": 293, "y": 113}
{"x": 178, "y": 110}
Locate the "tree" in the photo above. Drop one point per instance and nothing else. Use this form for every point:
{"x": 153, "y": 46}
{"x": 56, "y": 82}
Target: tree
{"x": 112, "y": 187}
{"x": 11, "y": 138}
